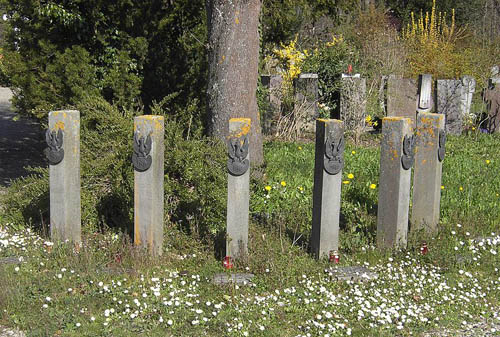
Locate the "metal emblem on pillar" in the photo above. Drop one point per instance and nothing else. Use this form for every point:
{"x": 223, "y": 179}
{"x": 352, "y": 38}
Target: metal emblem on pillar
{"x": 55, "y": 151}
{"x": 141, "y": 158}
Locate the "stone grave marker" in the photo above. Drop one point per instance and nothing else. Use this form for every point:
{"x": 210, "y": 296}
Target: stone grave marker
{"x": 351, "y": 273}
{"x": 148, "y": 159}
{"x": 429, "y": 156}
{"x": 306, "y": 100}
{"x": 424, "y": 96}
{"x": 234, "y": 278}
{"x": 238, "y": 187}
{"x": 352, "y": 105}
{"x": 450, "y": 103}
{"x": 329, "y": 162}
{"x": 63, "y": 154}
{"x": 396, "y": 160}
{"x": 492, "y": 98}
{"x": 273, "y": 83}
{"x": 402, "y": 98}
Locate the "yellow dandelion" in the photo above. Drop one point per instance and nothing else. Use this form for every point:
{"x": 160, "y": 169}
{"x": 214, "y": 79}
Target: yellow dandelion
{"x": 346, "y": 182}
{"x": 461, "y": 188}
{"x": 300, "y": 147}
{"x": 301, "y": 188}
{"x": 373, "y": 186}
{"x": 350, "y": 176}
{"x": 487, "y": 161}
{"x": 442, "y": 187}
{"x": 283, "y": 183}
{"x": 268, "y": 188}
{"x": 353, "y": 152}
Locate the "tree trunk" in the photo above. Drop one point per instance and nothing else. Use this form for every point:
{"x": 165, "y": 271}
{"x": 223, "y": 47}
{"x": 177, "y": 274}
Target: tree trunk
{"x": 233, "y": 58}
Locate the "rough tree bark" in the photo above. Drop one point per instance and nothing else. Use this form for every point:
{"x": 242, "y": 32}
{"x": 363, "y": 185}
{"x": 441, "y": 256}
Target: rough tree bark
{"x": 233, "y": 57}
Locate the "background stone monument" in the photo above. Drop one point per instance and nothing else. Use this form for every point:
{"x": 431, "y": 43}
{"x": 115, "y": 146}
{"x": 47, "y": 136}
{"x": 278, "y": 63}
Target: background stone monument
{"x": 306, "y": 100}
{"x": 424, "y": 95}
{"x": 238, "y": 187}
{"x": 148, "y": 161}
{"x": 329, "y": 161}
{"x": 396, "y": 160}
{"x": 273, "y": 83}
{"x": 63, "y": 153}
{"x": 492, "y": 99}
{"x": 402, "y": 98}
{"x": 352, "y": 102}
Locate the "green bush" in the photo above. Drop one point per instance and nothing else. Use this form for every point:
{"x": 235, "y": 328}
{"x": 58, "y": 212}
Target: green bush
{"x": 195, "y": 179}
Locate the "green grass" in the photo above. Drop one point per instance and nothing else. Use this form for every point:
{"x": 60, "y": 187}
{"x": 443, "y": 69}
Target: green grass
{"x": 57, "y": 290}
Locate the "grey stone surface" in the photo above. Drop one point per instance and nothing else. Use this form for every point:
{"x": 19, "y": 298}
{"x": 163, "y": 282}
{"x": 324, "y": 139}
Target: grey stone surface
{"x": 394, "y": 185}
{"x": 402, "y": 98}
{"x": 425, "y": 102}
{"x": 352, "y": 103}
{"x": 238, "y": 198}
{"x": 351, "y": 273}
{"x": 306, "y": 100}
{"x": 492, "y": 98}
{"x": 148, "y": 188}
{"x": 233, "y": 278}
{"x": 327, "y": 188}
{"x": 427, "y": 175}
{"x": 64, "y": 179}
{"x": 10, "y": 260}
{"x": 450, "y": 103}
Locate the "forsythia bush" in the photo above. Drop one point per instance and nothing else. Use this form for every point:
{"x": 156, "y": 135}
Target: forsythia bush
{"x": 434, "y": 46}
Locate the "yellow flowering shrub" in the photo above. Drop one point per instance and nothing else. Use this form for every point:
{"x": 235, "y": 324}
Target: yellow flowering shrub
{"x": 434, "y": 46}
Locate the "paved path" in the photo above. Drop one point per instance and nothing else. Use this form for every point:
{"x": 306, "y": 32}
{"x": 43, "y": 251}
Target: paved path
{"x": 21, "y": 142}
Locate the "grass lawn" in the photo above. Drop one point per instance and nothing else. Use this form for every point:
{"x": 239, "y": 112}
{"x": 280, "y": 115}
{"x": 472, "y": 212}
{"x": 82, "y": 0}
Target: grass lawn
{"x": 108, "y": 288}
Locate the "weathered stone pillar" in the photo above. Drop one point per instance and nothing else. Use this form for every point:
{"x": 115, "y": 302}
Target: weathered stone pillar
{"x": 148, "y": 159}
{"x": 429, "y": 154}
{"x": 238, "y": 187}
{"x": 329, "y": 161}
{"x": 63, "y": 153}
{"x": 396, "y": 160}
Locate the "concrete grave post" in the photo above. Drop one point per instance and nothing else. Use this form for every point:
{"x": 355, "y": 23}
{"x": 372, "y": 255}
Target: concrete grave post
{"x": 63, "y": 153}
{"x": 450, "y": 103}
{"x": 329, "y": 162}
{"x": 148, "y": 161}
{"x": 429, "y": 155}
{"x": 402, "y": 98}
{"x": 424, "y": 103}
{"x": 238, "y": 187}
{"x": 396, "y": 160}
{"x": 306, "y": 100}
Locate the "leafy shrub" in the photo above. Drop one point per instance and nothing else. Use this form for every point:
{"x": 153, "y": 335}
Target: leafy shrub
{"x": 195, "y": 178}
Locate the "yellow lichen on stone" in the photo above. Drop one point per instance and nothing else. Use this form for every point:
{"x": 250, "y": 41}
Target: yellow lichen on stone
{"x": 59, "y": 126}
{"x": 244, "y": 127}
